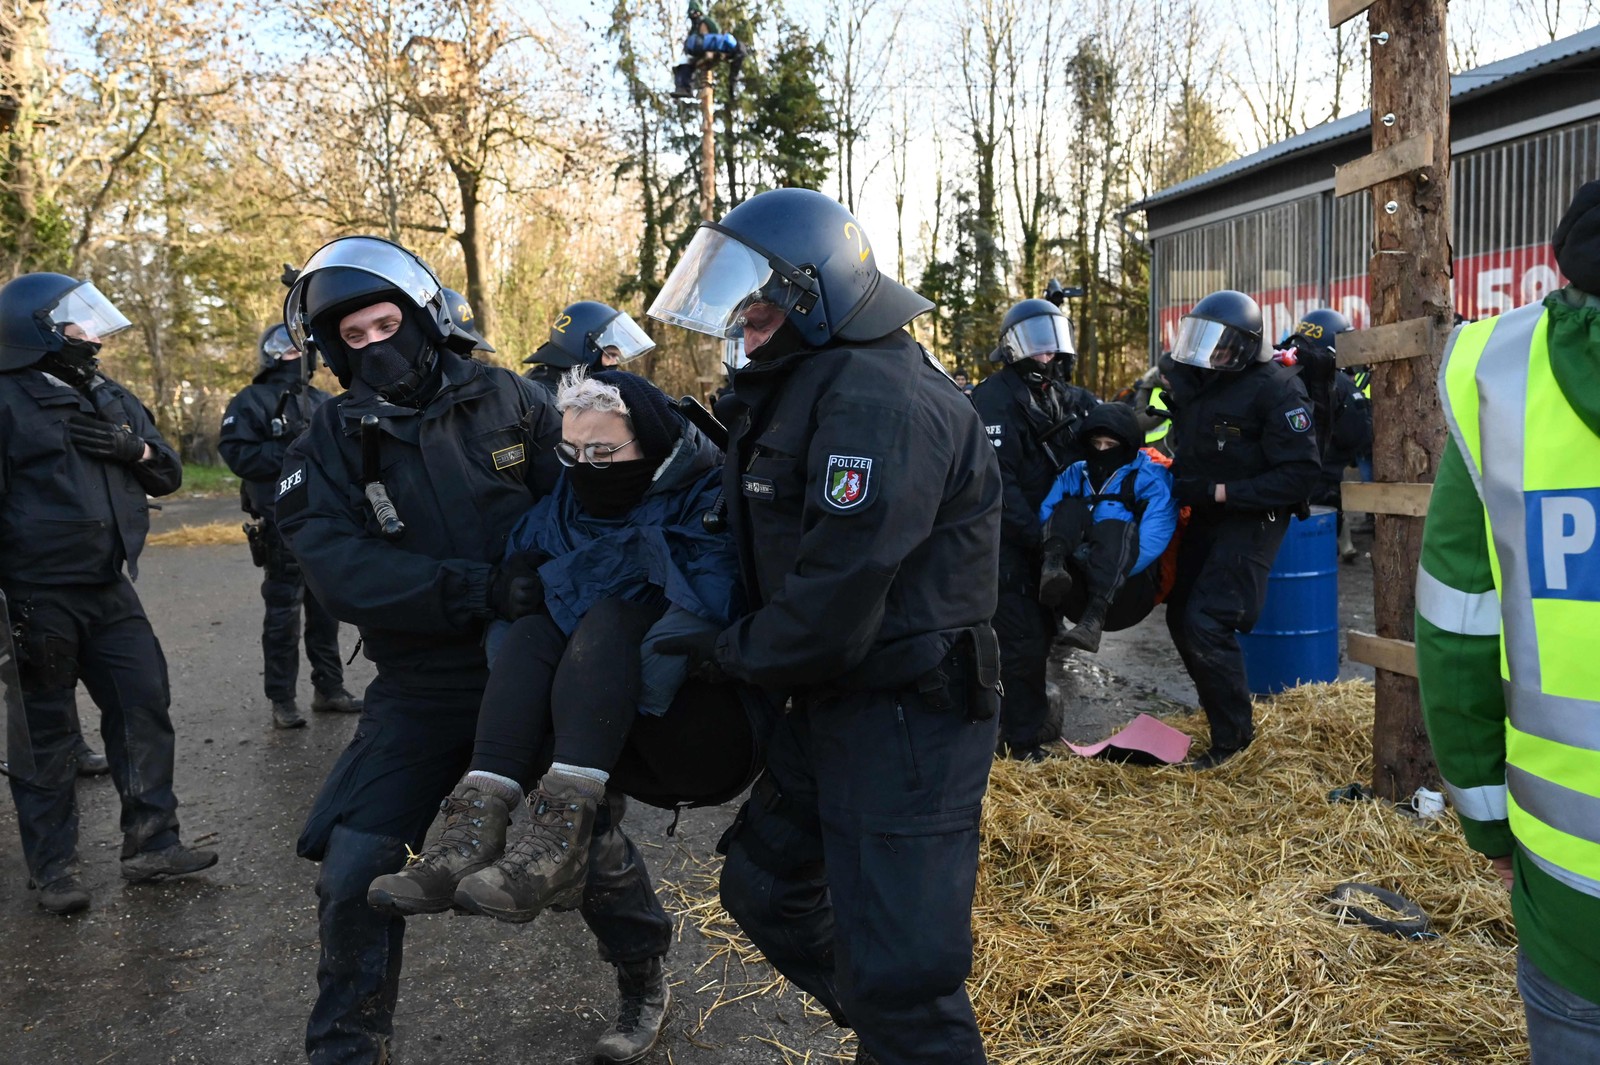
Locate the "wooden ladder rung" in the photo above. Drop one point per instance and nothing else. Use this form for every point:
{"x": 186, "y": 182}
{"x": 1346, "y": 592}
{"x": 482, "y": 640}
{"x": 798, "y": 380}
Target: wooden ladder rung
{"x": 1381, "y": 652}
{"x": 1399, "y": 498}
{"x": 1410, "y": 339}
{"x": 1342, "y": 11}
{"x": 1396, "y": 161}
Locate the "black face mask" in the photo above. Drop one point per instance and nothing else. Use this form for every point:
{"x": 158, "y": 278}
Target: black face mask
{"x": 75, "y": 363}
{"x": 1102, "y": 464}
{"x": 611, "y": 491}
{"x": 401, "y": 367}
{"x": 785, "y": 340}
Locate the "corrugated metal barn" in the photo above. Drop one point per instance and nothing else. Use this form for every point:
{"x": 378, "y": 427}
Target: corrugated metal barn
{"x": 1525, "y": 133}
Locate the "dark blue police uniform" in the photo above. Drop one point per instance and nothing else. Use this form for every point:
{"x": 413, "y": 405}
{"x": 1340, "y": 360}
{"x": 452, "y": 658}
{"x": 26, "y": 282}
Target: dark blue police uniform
{"x": 461, "y": 470}
{"x": 254, "y": 449}
{"x": 860, "y": 480}
{"x": 69, "y": 524}
{"x": 1019, "y": 419}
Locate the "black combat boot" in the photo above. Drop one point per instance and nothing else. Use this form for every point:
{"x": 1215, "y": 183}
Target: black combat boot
{"x": 91, "y": 763}
{"x": 286, "y": 714}
{"x": 176, "y": 860}
{"x": 64, "y": 895}
{"x": 335, "y": 701}
{"x": 1085, "y": 636}
{"x": 642, "y": 1001}
{"x": 1055, "y": 583}
{"x": 547, "y": 867}
{"x": 474, "y": 837}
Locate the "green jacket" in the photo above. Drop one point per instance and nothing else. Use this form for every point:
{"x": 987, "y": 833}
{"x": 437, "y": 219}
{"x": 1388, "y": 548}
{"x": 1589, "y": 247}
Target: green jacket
{"x": 1458, "y": 665}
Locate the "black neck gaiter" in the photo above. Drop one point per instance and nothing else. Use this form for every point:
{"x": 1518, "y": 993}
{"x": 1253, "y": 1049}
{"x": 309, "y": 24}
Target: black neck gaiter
{"x": 611, "y": 491}
{"x": 785, "y": 340}
{"x": 1102, "y": 464}
{"x": 403, "y": 367}
{"x": 75, "y": 363}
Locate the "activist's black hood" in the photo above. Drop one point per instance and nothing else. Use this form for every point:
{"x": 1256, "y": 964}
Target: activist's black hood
{"x": 1577, "y": 240}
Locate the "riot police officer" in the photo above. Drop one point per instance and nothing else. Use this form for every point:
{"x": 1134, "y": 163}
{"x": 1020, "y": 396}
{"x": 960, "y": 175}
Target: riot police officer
{"x": 1244, "y": 458}
{"x": 858, "y": 480}
{"x": 586, "y": 333}
{"x": 1344, "y": 415}
{"x": 397, "y": 502}
{"x": 1030, "y": 411}
{"x": 257, "y": 429}
{"x": 78, "y": 456}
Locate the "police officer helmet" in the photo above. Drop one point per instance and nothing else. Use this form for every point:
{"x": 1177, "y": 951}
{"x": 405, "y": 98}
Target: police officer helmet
{"x": 37, "y": 310}
{"x": 1221, "y": 332}
{"x": 1316, "y": 329}
{"x": 582, "y": 333}
{"x": 461, "y": 314}
{"x": 794, "y": 249}
{"x": 350, "y": 273}
{"x": 275, "y": 344}
{"x": 1036, "y": 327}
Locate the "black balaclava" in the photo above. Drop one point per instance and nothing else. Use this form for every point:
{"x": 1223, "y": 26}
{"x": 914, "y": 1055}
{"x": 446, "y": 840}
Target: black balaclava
{"x": 1115, "y": 420}
{"x": 785, "y": 340}
{"x": 76, "y": 362}
{"x": 403, "y": 367}
{"x": 612, "y": 491}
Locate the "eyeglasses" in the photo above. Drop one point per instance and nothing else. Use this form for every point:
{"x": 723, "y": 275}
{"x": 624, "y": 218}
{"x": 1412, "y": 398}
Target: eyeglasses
{"x": 596, "y": 455}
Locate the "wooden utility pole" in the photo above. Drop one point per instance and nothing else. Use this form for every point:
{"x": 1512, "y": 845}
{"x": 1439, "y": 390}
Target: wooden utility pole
{"x": 1409, "y": 175}
{"x": 708, "y": 143}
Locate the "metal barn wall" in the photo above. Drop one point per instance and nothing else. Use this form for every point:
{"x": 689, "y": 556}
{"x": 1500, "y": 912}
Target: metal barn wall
{"x": 1313, "y": 251}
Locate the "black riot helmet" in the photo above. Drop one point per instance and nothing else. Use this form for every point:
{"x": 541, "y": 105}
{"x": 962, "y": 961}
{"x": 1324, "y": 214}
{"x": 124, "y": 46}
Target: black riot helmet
{"x": 275, "y": 344}
{"x": 1037, "y": 327}
{"x": 1221, "y": 332}
{"x": 40, "y": 314}
{"x": 461, "y": 314}
{"x": 793, "y": 249}
{"x": 352, "y": 273}
{"x": 582, "y": 333}
{"x": 1316, "y": 330}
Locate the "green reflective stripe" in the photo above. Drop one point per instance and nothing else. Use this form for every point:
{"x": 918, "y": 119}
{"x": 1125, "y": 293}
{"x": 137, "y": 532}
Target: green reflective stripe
{"x": 1450, "y": 609}
{"x": 1485, "y": 803}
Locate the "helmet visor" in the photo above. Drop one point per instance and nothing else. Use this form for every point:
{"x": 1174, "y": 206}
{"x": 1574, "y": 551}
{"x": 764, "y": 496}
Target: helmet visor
{"x": 623, "y": 334}
{"x": 85, "y": 313}
{"x": 715, "y": 281}
{"x": 733, "y": 356}
{"x": 369, "y": 255}
{"x": 278, "y": 344}
{"x": 1213, "y": 345}
{"x": 1044, "y": 334}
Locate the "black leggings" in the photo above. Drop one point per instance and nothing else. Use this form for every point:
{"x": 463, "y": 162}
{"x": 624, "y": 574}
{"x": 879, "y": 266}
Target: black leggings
{"x": 575, "y": 700}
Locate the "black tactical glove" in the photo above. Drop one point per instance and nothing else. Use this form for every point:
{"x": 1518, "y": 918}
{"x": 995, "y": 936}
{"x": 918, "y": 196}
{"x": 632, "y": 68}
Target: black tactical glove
{"x": 102, "y": 440}
{"x": 515, "y": 590}
{"x": 700, "y": 648}
{"x": 1195, "y": 491}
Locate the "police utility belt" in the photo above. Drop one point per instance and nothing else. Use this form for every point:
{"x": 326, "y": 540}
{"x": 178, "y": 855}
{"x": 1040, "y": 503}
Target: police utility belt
{"x": 969, "y": 672}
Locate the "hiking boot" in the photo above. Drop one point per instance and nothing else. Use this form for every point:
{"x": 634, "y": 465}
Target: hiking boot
{"x": 474, "y": 836}
{"x": 1055, "y": 583}
{"x": 176, "y": 860}
{"x": 92, "y": 763}
{"x": 64, "y": 895}
{"x": 642, "y": 1001}
{"x": 1085, "y": 636}
{"x": 1033, "y": 752}
{"x": 285, "y": 714}
{"x": 547, "y": 867}
{"x": 335, "y": 701}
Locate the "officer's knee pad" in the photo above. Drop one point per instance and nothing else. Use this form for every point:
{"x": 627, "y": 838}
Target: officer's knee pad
{"x": 353, "y": 860}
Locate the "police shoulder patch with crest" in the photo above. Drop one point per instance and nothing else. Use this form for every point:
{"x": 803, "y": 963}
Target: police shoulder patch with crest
{"x": 1299, "y": 420}
{"x": 847, "y": 482}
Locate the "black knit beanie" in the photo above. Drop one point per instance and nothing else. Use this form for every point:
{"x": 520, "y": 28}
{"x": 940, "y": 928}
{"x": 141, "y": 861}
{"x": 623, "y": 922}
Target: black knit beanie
{"x": 1577, "y": 240}
{"x": 656, "y": 423}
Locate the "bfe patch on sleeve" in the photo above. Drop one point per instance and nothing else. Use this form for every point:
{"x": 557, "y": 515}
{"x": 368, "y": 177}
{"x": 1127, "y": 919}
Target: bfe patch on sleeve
{"x": 847, "y": 482}
{"x": 291, "y": 492}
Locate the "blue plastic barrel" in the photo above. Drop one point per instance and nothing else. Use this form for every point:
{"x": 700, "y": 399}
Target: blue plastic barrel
{"x": 1296, "y": 639}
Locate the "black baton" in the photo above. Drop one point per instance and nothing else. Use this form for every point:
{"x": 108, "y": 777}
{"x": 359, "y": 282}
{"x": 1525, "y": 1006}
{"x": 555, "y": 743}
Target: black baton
{"x": 390, "y": 527}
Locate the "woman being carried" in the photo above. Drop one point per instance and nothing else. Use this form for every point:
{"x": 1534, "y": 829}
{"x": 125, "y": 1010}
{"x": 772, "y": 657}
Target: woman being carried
{"x": 613, "y": 561}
